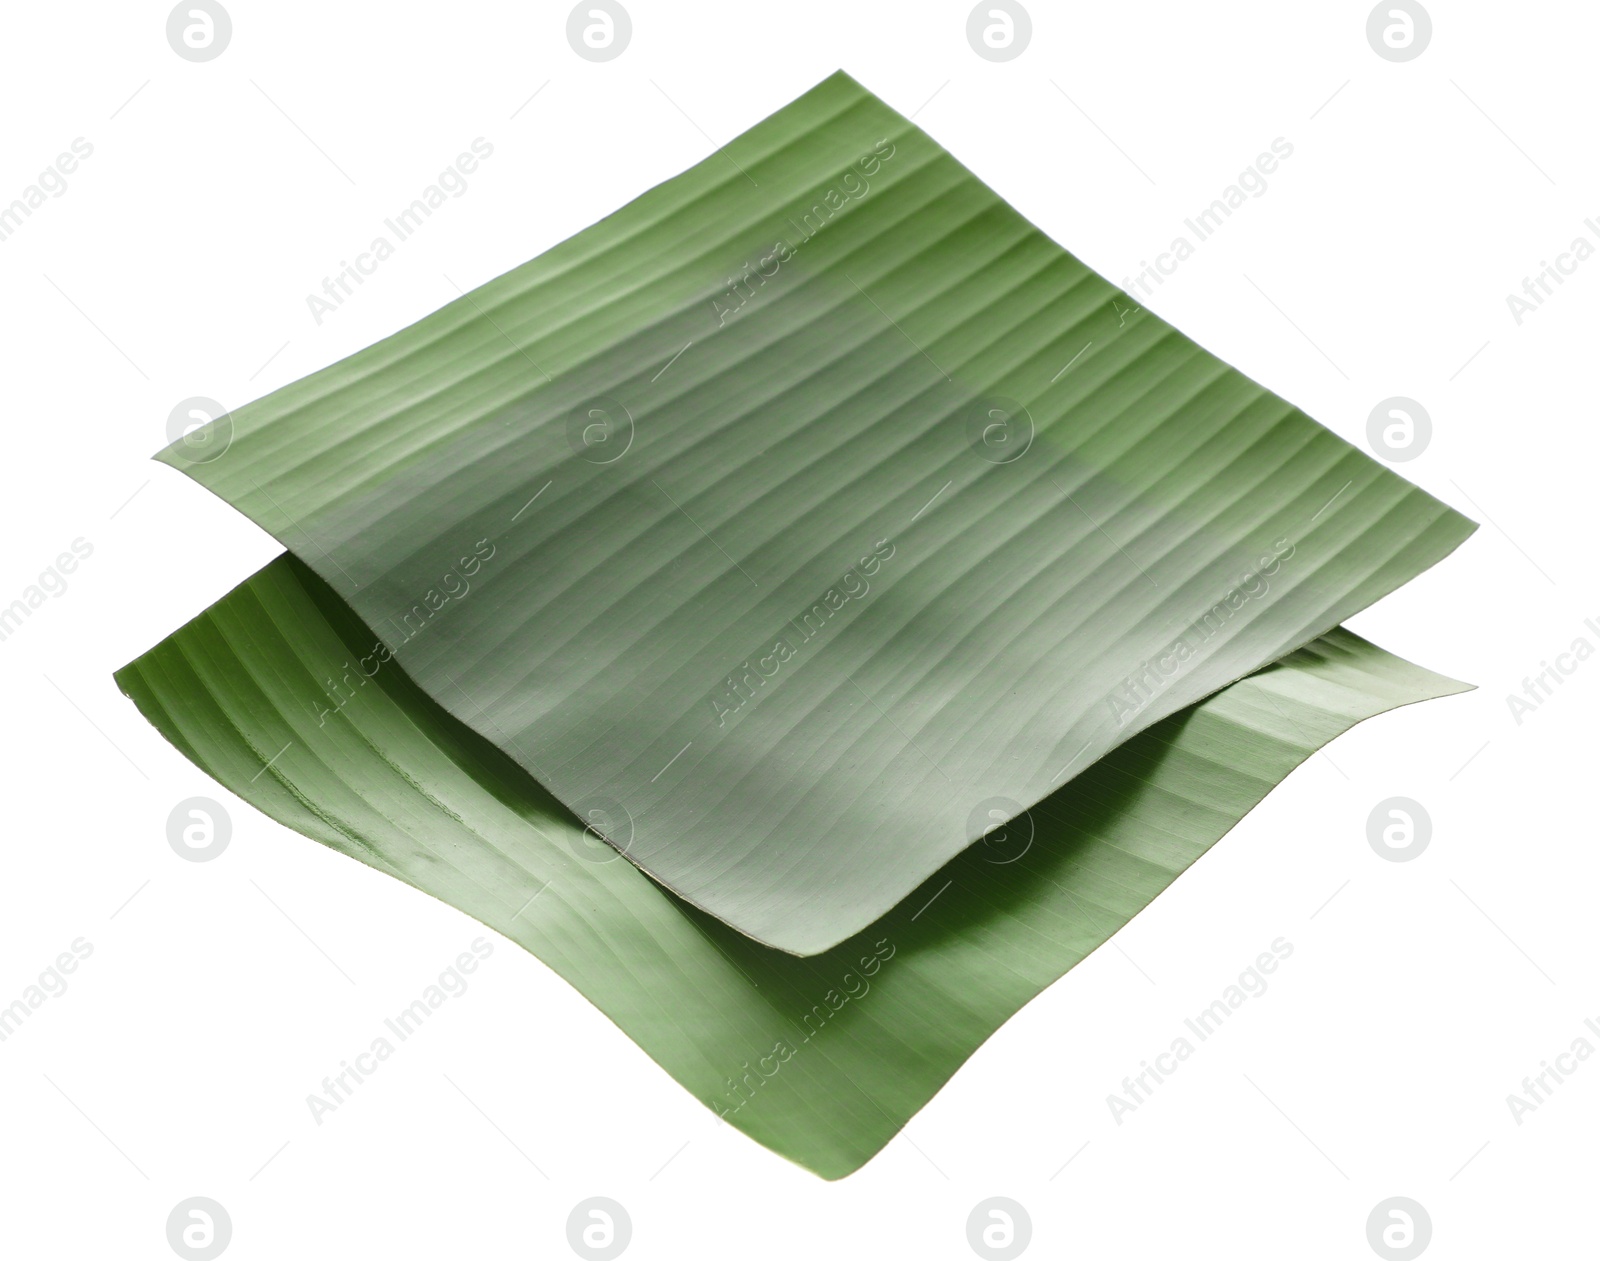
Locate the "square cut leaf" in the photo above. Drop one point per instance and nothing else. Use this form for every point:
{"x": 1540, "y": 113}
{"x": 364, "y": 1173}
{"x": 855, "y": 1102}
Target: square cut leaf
{"x": 824, "y": 1058}
{"x": 813, "y": 515}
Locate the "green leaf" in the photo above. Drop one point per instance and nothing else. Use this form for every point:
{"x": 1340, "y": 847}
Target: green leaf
{"x": 823, "y": 1058}
{"x": 812, "y": 512}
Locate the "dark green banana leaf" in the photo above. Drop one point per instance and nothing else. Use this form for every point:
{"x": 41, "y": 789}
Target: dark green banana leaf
{"x": 823, "y": 1058}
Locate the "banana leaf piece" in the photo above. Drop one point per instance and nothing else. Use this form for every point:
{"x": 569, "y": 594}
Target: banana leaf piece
{"x": 823, "y": 1058}
{"x": 812, "y": 511}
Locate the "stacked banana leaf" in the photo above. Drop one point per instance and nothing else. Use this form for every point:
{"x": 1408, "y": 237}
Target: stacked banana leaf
{"x": 809, "y": 610}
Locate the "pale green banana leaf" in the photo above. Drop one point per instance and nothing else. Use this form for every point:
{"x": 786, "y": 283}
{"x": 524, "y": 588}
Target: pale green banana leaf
{"x": 798, "y": 522}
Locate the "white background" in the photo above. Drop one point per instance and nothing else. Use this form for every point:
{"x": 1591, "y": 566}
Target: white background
{"x": 1378, "y": 1064}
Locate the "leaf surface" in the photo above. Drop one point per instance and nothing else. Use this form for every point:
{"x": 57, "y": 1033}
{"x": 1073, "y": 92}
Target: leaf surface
{"x": 812, "y": 512}
{"x": 821, "y": 1058}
